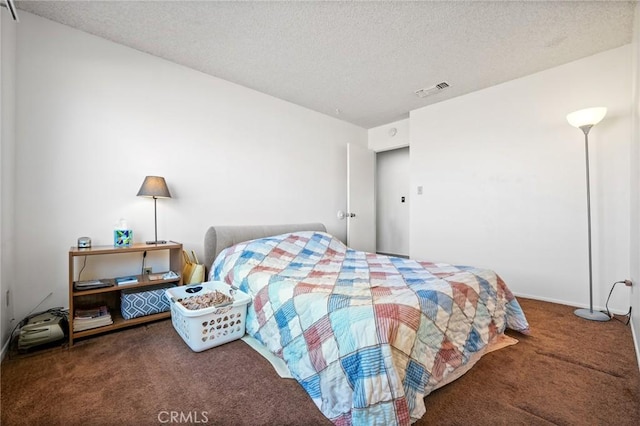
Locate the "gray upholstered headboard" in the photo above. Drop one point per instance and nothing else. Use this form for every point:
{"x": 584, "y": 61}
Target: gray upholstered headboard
{"x": 219, "y": 238}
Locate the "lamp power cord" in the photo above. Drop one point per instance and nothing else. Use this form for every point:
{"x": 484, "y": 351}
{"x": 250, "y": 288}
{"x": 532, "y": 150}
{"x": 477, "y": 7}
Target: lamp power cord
{"x": 628, "y": 314}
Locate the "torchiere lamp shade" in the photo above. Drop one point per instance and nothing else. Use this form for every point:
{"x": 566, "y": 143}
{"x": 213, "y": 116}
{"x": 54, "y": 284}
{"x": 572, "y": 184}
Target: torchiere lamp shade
{"x": 587, "y": 117}
{"x": 154, "y": 186}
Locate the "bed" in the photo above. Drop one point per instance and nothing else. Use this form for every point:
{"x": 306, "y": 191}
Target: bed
{"x": 367, "y": 336}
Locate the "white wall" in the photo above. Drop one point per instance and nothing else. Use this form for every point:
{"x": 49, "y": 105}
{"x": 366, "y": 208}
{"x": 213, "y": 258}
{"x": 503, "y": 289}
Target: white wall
{"x": 504, "y": 181}
{"x": 94, "y": 117}
{"x": 7, "y": 152}
{"x": 389, "y": 136}
{"x": 635, "y": 184}
{"x": 392, "y": 215}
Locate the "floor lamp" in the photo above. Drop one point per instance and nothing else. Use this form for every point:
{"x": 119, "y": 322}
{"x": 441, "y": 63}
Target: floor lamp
{"x": 154, "y": 187}
{"x": 584, "y": 120}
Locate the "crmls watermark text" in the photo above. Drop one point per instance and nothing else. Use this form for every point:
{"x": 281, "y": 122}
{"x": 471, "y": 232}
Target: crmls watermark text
{"x": 191, "y": 417}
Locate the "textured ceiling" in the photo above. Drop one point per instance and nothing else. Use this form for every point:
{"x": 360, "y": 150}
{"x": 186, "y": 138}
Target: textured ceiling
{"x": 365, "y": 59}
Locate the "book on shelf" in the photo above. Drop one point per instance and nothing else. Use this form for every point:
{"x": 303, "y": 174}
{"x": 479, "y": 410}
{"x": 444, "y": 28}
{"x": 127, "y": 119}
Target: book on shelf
{"x": 91, "y": 317}
{"x": 131, "y": 279}
{"x": 91, "y": 312}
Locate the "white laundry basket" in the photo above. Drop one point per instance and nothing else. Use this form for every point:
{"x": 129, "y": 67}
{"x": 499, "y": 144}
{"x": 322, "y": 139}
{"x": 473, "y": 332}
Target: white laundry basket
{"x": 213, "y": 326}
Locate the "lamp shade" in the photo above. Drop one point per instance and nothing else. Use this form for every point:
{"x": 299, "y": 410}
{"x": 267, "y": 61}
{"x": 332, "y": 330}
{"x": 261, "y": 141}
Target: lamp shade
{"x": 586, "y": 117}
{"x": 154, "y": 186}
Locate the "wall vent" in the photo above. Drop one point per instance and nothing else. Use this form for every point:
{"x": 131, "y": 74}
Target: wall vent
{"x": 431, "y": 90}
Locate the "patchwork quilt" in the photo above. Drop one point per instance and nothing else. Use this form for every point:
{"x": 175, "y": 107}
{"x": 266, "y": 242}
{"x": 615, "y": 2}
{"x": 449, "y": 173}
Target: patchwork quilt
{"x": 367, "y": 336}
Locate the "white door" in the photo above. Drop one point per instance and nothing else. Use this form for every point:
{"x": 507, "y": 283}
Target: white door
{"x": 361, "y": 220}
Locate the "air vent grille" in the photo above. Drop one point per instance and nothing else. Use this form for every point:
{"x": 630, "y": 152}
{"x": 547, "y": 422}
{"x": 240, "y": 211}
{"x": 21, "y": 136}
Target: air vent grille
{"x": 431, "y": 90}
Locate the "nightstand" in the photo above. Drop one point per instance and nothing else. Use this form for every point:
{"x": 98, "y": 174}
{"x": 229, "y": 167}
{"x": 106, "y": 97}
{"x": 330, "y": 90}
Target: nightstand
{"x": 110, "y": 296}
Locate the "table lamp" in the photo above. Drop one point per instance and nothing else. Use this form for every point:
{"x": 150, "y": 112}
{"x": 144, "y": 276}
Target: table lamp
{"x": 154, "y": 187}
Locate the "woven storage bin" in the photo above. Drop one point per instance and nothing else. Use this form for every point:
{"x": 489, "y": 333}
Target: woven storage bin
{"x": 136, "y": 303}
{"x": 205, "y": 328}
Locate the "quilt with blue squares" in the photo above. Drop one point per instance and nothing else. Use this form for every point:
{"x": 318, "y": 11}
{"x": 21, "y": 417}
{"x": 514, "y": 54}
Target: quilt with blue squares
{"x": 367, "y": 336}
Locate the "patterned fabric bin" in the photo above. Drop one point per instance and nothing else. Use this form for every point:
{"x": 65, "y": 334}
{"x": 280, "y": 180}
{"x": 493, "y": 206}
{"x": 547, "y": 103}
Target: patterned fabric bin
{"x": 135, "y": 303}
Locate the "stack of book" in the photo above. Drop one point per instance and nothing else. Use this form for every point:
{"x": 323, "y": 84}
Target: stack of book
{"x": 86, "y": 318}
{"x": 131, "y": 279}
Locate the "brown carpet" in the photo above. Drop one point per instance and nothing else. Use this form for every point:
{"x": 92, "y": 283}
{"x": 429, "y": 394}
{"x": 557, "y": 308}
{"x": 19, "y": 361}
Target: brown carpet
{"x": 569, "y": 372}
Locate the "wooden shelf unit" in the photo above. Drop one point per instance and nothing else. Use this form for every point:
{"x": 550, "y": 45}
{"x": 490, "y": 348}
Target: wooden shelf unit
{"x": 110, "y": 296}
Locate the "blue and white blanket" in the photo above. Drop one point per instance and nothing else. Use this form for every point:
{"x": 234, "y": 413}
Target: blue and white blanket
{"x": 367, "y": 336}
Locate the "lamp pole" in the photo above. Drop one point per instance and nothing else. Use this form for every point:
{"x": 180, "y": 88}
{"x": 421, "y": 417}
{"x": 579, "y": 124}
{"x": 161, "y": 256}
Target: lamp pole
{"x": 586, "y": 129}
{"x": 155, "y": 222}
{"x": 584, "y": 120}
{"x": 589, "y": 314}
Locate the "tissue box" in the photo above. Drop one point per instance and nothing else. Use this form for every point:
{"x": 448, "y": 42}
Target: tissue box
{"x": 122, "y": 237}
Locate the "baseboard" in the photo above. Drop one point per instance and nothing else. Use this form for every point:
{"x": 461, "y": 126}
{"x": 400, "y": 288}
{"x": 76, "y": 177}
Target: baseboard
{"x": 635, "y": 343}
{"x": 543, "y": 299}
{"x": 5, "y": 349}
{"x": 566, "y": 303}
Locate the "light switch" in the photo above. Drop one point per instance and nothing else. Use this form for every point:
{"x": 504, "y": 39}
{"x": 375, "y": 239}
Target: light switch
{"x": 420, "y": 190}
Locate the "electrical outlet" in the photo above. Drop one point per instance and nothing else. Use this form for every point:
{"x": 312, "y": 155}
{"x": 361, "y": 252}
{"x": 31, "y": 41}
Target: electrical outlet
{"x": 628, "y": 283}
{"x": 147, "y": 270}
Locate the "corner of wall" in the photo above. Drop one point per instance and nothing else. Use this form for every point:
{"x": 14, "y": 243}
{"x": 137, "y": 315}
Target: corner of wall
{"x": 634, "y": 251}
{"x": 7, "y": 161}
